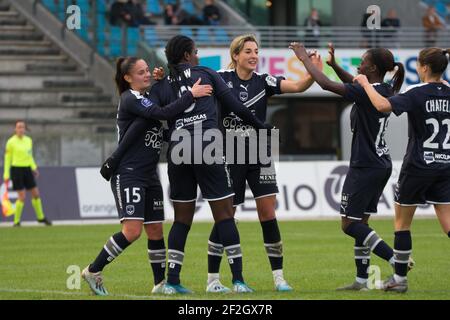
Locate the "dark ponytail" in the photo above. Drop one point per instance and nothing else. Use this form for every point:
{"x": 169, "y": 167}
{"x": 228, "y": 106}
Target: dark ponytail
{"x": 398, "y": 77}
{"x": 123, "y": 67}
{"x": 435, "y": 58}
{"x": 383, "y": 59}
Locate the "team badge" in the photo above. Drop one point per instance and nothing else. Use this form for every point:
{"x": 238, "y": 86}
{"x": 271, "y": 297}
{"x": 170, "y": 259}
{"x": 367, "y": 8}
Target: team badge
{"x": 243, "y": 96}
{"x": 146, "y": 103}
{"x": 130, "y": 209}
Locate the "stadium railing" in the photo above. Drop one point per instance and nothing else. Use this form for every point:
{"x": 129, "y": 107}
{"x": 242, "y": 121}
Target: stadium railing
{"x": 113, "y": 41}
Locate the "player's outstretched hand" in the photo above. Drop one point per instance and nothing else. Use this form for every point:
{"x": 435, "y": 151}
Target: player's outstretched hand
{"x": 108, "y": 168}
{"x": 317, "y": 60}
{"x": 201, "y": 90}
{"x": 331, "y": 60}
{"x": 299, "y": 50}
{"x": 158, "y": 73}
{"x": 361, "y": 80}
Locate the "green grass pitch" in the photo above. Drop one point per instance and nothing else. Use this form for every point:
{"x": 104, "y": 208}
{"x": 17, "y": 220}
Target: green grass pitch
{"x": 318, "y": 257}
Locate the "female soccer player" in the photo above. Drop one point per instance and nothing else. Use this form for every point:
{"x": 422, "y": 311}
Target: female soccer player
{"x": 135, "y": 184}
{"x": 253, "y": 89}
{"x": 21, "y": 168}
{"x": 370, "y": 162}
{"x": 213, "y": 179}
{"x": 425, "y": 173}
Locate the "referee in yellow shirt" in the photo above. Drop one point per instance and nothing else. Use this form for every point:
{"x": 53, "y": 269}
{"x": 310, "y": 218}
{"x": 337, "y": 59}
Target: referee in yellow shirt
{"x": 21, "y": 168}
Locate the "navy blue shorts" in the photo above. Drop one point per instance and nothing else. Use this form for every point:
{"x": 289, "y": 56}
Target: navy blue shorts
{"x": 362, "y": 190}
{"x": 138, "y": 200}
{"x": 260, "y": 178}
{"x": 412, "y": 190}
{"x": 188, "y": 170}
{"x": 22, "y": 178}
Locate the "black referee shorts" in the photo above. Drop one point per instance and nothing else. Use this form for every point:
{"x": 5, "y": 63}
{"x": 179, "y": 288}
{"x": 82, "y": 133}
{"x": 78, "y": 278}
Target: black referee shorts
{"x": 22, "y": 178}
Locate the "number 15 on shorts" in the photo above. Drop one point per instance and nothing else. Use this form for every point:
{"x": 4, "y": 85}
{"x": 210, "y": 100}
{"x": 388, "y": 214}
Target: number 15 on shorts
{"x": 134, "y": 193}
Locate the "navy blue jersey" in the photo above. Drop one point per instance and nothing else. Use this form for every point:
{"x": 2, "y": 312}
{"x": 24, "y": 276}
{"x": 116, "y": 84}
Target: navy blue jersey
{"x": 428, "y": 109}
{"x": 253, "y": 93}
{"x": 205, "y": 110}
{"x": 143, "y": 151}
{"x": 369, "y": 148}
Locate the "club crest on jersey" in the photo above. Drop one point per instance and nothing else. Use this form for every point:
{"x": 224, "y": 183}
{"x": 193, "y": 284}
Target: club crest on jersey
{"x": 146, "y": 103}
{"x": 271, "y": 81}
{"x": 243, "y": 96}
{"x": 129, "y": 209}
{"x": 230, "y": 84}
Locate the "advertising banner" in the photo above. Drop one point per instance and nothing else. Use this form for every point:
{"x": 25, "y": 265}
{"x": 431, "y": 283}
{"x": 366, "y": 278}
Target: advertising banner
{"x": 283, "y": 62}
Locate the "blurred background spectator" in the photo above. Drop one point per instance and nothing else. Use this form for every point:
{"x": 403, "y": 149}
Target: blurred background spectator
{"x": 211, "y": 13}
{"x": 130, "y": 13}
{"x": 432, "y": 24}
{"x": 313, "y": 24}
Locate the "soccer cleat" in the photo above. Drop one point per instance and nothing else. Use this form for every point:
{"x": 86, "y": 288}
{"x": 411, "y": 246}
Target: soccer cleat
{"x": 16, "y": 224}
{"x": 95, "y": 281}
{"x": 216, "y": 286}
{"x": 394, "y": 286}
{"x": 282, "y": 286}
{"x": 45, "y": 221}
{"x": 159, "y": 288}
{"x": 170, "y": 289}
{"x": 241, "y": 287}
{"x": 355, "y": 286}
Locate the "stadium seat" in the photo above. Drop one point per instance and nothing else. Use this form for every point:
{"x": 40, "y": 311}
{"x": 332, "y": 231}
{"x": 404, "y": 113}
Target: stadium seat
{"x": 188, "y": 5}
{"x": 186, "y": 31}
{"x": 221, "y": 36}
{"x": 133, "y": 38}
{"x": 169, "y": 2}
{"x": 101, "y": 6}
{"x": 115, "y": 41}
{"x": 154, "y": 7}
{"x": 151, "y": 37}
{"x": 203, "y": 36}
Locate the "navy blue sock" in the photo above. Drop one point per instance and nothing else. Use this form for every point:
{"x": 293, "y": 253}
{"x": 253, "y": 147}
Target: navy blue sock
{"x": 176, "y": 242}
{"x": 366, "y": 236}
{"x": 111, "y": 250}
{"x": 215, "y": 251}
{"x": 362, "y": 259}
{"x": 448, "y": 234}
{"x": 402, "y": 252}
{"x": 272, "y": 243}
{"x": 229, "y": 237}
{"x": 157, "y": 259}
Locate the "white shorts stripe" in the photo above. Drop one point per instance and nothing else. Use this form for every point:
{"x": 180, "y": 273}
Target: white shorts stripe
{"x": 266, "y": 195}
{"x": 173, "y": 200}
{"x": 154, "y": 222}
{"x": 216, "y": 199}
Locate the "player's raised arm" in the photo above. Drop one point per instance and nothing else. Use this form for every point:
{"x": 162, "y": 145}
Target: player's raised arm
{"x": 345, "y": 76}
{"x": 289, "y": 86}
{"x": 317, "y": 74}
